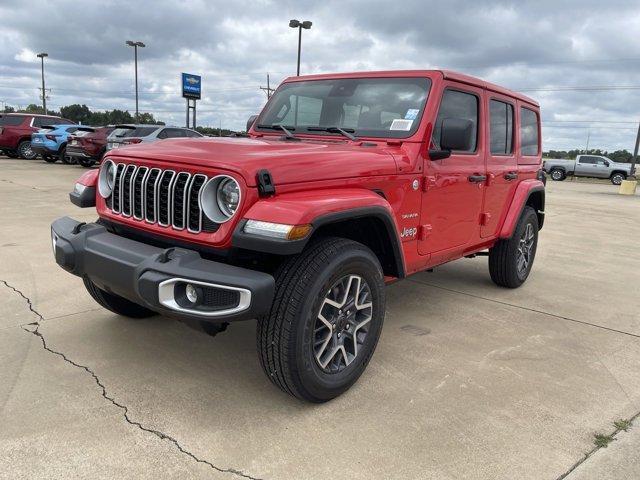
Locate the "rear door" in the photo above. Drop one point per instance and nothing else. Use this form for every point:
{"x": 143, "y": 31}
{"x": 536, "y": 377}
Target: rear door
{"x": 586, "y": 166}
{"x": 454, "y": 187}
{"x": 502, "y": 164}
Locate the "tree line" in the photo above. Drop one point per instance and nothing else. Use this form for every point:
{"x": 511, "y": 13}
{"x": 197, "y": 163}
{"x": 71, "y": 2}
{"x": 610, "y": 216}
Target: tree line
{"x": 81, "y": 114}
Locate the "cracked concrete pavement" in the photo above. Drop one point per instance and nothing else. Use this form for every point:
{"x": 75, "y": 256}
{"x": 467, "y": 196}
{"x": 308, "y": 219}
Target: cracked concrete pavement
{"x": 468, "y": 381}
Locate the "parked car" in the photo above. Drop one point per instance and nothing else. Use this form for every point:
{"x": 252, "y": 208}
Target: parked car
{"x": 16, "y": 130}
{"x": 595, "y": 166}
{"x": 124, "y": 135}
{"x": 88, "y": 144}
{"x": 50, "y": 142}
{"x": 345, "y": 182}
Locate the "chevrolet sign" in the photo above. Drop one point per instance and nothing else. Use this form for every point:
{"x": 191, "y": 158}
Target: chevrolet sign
{"x": 191, "y": 85}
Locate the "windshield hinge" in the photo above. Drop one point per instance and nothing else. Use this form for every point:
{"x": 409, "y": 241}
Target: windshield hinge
{"x": 265, "y": 183}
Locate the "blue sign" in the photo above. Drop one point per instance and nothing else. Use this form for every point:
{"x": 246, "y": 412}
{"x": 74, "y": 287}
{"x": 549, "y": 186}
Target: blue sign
{"x": 191, "y": 85}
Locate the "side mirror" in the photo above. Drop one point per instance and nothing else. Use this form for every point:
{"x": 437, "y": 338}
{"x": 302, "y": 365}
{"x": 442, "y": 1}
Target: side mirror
{"x": 252, "y": 119}
{"x": 456, "y": 134}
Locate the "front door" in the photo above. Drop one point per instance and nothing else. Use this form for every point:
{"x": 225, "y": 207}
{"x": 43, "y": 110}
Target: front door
{"x": 454, "y": 187}
{"x": 502, "y": 165}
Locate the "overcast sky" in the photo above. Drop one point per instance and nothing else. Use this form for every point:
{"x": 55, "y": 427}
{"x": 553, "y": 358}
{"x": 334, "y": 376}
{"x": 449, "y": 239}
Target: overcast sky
{"x": 554, "y": 51}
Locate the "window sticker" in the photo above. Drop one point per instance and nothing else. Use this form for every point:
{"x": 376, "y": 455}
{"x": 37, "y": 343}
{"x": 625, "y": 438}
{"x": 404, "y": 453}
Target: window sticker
{"x": 401, "y": 124}
{"x": 411, "y": 114}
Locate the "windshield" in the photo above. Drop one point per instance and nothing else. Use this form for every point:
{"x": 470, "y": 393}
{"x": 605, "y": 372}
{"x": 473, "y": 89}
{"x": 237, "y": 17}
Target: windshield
{"x": 367, "y": 107}
{"x": 126, "y": 132}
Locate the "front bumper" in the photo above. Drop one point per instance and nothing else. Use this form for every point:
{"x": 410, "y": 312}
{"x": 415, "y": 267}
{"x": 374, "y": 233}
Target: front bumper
{"x": 153, "y": 277}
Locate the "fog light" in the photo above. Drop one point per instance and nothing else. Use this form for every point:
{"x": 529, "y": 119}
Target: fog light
{"x": 192, "y": 293}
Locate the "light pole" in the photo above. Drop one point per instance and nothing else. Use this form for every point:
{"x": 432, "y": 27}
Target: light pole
{"x": 135, "y": 46}
{"x": 299, "y": 25}
{"x": 44, "y": 92}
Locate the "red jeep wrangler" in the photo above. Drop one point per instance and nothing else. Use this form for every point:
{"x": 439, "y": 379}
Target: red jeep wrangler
{"x": 343, "y": 183}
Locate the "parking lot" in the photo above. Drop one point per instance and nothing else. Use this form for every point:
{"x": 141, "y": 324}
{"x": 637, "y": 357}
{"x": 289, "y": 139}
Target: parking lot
{"x": 468, "y": 380}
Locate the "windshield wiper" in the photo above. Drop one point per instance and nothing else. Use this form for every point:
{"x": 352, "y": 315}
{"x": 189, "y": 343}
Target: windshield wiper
{"x": 286, "y": 130}
{"x": 343, "y": 131}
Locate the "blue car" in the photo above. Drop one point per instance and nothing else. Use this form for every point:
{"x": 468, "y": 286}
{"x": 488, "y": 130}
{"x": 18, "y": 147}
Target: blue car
{"x": 50, "y": 142}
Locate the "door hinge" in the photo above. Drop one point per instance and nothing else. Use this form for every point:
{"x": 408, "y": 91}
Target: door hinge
{"x": 484, "y": 218}
{"x": 428, "y": 182}
{"x": 424, "y": 231}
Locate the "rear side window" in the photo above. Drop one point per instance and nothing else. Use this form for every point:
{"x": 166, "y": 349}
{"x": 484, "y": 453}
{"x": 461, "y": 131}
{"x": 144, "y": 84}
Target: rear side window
{"x": 133, "y": 132}
{"x": 456, "y": 104}
{"x": 11, "y": 120}
{"x": 528, "y": 132}
{"x": 501, "y": 127}
{"x": 40, "y": 122}
{"x": 171, "y": 133}
{"x": 589, "y": 160}
{"x": 192, "y": 133}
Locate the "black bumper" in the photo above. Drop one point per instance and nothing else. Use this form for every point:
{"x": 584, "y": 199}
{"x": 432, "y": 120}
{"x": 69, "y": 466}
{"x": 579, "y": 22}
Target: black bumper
{"x": 149, "y": 275}
{"x": 43, "y": 151}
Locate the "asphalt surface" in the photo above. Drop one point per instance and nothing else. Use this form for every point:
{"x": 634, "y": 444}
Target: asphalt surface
{"x": 469, "y": 381}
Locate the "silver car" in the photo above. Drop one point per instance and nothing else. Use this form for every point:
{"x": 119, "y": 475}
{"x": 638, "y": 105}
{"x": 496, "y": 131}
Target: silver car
{"x": 132, "y": 134}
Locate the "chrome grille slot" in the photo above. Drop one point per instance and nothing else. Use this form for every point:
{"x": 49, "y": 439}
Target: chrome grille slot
{"x": 164, "y": 197}
{"x": 125, "y": 189}
{"x": 178, "y": 204}
{"x": 150, "y": 191}
{"x": 194, "y": 220}
{"x": 137, "y": 199}
{"x": 115, "y": 195}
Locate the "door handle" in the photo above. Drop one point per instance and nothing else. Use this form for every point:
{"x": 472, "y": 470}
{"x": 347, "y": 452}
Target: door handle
{"x": 476, "y": 178}
{"x": 510, "y": 176}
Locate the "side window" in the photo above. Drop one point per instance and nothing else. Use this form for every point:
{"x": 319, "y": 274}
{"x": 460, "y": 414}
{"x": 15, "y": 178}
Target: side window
{"x": 456, "y": 104}
{"x": 192, "y": 134}
{"x": 601, "y": 161}
{"x": 174, "y": 132}
{"x": 163, "y": 133}
{"x": 71, "y": 129}
{"x": 501, "y": 127}
{"x": 38, "y": 121}
{"x": 528, "y": 132}
{"x": 587, "y": 159}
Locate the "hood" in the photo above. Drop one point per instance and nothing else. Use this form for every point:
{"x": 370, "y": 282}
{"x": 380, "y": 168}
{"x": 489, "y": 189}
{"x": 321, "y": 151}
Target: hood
{"x": 287, "y": 161}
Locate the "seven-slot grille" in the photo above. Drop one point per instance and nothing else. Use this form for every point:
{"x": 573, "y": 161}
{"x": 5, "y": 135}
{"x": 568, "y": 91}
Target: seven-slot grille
{"x": 164, "y": 197}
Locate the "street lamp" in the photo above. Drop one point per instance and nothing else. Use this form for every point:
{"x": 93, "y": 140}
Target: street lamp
{"x": 299, "y": 25}
{"x": 44, "y": 92}
{"x": 135, "y": 46}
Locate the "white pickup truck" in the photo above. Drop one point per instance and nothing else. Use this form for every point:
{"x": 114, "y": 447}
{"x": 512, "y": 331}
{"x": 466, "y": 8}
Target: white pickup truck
{"x": 587, "y": 166}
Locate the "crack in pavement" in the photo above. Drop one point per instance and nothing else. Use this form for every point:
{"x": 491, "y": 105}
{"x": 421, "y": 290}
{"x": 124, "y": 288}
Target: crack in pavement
{"x": 595, "y": 449}
{"x": 105, "y": 395}
{"x": 529, "y": 309}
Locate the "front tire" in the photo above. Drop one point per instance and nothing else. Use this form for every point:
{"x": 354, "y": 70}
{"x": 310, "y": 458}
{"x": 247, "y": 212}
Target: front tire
{"x": 25, "y": 151}
{"x": 325, "y": 320}
{"x": 511, "y": 260}
{"x": 87, "y": 162}
{"x": 558, "y": 175}
{"x": 66, "y": 159}
{"x": 617, "y": 178}
{"x": 115, "y": 303}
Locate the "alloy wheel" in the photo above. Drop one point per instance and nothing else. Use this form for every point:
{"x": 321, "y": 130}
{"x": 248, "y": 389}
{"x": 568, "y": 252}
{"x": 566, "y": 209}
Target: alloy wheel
{"x": 525, "y": 247}
{"x": 342, "y": 323}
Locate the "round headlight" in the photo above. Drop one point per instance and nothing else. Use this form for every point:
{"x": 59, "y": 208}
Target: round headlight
{"x": 106, "y": 178}
{"x": 220, "y": 198}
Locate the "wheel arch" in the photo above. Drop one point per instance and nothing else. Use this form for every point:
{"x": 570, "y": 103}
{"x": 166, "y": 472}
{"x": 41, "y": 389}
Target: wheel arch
{"x": 529, "y": 193}
{"x": 356, "y": 214}
{"x": 621, "y": 172}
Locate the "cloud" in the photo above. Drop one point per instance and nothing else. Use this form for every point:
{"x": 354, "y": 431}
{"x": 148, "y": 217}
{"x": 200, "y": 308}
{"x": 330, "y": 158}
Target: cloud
{"x": 524, "y": 45}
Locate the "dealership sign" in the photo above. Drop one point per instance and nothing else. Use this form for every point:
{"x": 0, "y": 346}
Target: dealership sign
{"x": 191, "y": 85}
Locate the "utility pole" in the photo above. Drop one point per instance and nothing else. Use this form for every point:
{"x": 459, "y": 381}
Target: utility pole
{"x": 41, "y": 56}
{"x": 268, "y": 90}
{"x": 634, "y": 159}
{"x": 135, "y": 46}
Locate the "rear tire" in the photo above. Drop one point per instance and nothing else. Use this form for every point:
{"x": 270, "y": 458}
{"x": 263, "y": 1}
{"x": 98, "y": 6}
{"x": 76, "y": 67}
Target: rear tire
{"x": 511, "y": 260}
{"x": 617, "y": 178}
{"x": 115, "y": 303}
{"x": 558, "y": 175}
{"x": 87, "y": 162}
{"x": 313, "y": 358}
{"x": 25, "y": 151}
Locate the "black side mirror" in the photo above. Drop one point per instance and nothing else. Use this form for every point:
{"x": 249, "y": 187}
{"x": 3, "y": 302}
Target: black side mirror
{"x": 252, "y": 119}
{"x": 456, "y": 134}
